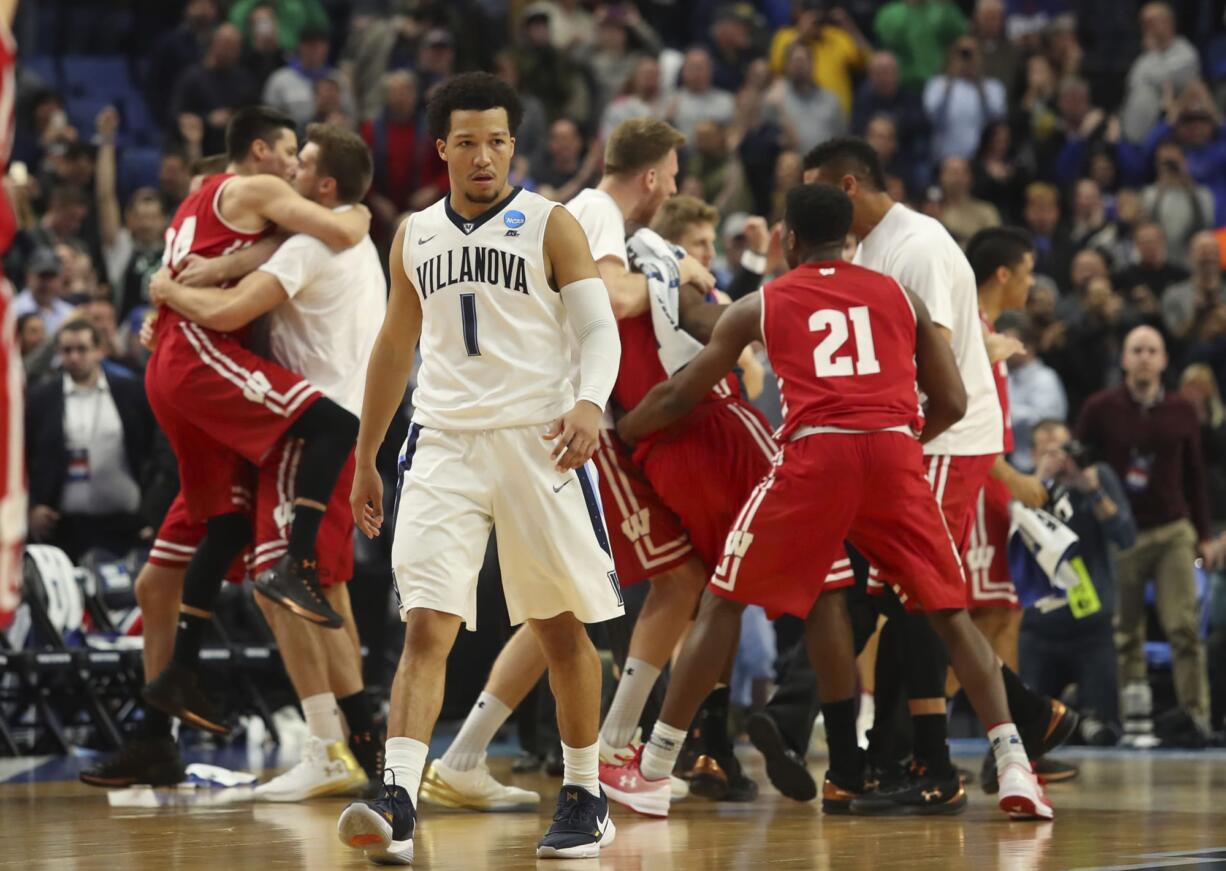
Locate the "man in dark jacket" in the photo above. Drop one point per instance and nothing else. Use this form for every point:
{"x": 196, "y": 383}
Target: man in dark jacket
{"x": 87, "y": 440}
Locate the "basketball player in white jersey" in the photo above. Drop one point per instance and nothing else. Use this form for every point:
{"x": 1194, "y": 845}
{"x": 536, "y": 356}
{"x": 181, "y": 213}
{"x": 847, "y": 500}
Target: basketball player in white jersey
{"x": 644, "y": 152}
{"x": 920, "y": 254}
{"x": 324, "y": 309}
{"x": 493, "y": 280}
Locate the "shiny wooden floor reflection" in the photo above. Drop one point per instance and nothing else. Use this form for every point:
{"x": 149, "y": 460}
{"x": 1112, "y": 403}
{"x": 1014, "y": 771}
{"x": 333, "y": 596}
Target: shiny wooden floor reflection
{"x": 1131, "y": 811}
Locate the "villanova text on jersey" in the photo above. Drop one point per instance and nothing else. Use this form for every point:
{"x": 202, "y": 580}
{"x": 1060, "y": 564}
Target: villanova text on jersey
{"x": 472, "y": 264}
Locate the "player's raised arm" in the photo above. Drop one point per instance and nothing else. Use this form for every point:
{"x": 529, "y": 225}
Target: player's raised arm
{"x": 671, "y": 400}
{"x": 275, "y": 200}
{"x": 936, "y": 371}
{"x": 222, "y": 309}
{"x": 391, "y": 363}
{"x": 590, "y": 314}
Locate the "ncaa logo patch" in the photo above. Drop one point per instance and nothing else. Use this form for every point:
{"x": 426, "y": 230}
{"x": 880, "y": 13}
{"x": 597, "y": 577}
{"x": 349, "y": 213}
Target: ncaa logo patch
{"x": 514, "y": 219}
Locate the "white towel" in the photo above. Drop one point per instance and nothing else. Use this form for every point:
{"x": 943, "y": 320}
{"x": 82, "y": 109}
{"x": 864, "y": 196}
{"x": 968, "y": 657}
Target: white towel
{"x": 657, "y": 260}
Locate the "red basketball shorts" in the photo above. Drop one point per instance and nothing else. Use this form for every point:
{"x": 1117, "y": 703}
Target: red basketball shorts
{"x": 179, "y": 536}
{"x": 275, "y": 511}
{"x": 989, "y": 584}
{"x": 646, "y": 537}
{"x": 221, "y": 407}
{"x": 706, "y": 469}
{"x": 866, "y": 488}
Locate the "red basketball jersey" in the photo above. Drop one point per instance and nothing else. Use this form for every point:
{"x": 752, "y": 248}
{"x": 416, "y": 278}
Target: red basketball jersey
{"x": 641, "y": 369}
{"x": 841, "y": 340}
{"x": 1000, "y": 374}
{"x": 198, "y": 228}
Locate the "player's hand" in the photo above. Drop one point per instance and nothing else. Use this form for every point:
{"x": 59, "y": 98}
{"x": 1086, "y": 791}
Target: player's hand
{"x": 147, "y": 329}
{"x": 191, "y": 128}
{"x": 757, "y": 234}
{"x": 43, "y": 519}
{"x": 197, "y": 271}
{"x": 161, "y": 287}
{"x": 575, "y": 435}
{"x": 693, "y": 272}
{"x": 366, "y": 500}
{"x": 1002, "y": 347}
{"x": 1029, "y": 490}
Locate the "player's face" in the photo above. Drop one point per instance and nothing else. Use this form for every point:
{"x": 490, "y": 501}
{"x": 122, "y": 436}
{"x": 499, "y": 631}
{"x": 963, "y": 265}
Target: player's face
{"x": 1021, "y": 279}
{"x": 306, "y": 182}
{"x": 661, "y": 183}
{"x": 281, "y": 159}
{"x": 478, "y": 152}
{"x": 698, "y": 240}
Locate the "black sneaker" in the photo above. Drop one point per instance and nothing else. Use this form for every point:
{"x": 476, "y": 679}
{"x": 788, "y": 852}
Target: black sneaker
{"x": 295, "y": 586}
{"x": 838, "y": 791}
{"x": 145, "y": 761}
{"x": 885, "y": 775}
{"x": 382, "y": 828}
{"x": 1051, "y": 770}
{"x": 721, "y": 778}
{"x": 987, "y": 774}
{"x": 581, "y": 826}
{"x": 555, "y": 765}
{"x": 367, "y": 749}
{"x": 785, "y": 768}
{"x": 527, "y": 763}
{"x": 177, "y": 692}
{"x": 921, "y": 794}
{"x": 1058, "y": 724}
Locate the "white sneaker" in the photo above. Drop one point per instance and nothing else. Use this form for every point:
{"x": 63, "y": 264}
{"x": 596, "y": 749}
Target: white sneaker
{"x": 475, "y": 789}
{"x": 1021, "y": 796}
{"x": 324, "y": 769}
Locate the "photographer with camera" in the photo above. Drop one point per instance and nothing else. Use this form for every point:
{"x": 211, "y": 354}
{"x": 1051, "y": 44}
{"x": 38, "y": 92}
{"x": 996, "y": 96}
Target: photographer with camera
{"x": 1151, "y": 440}
{"x": 1065, "y": 645}
{"x": 1175, "y": 202}
{"x": 961, "y": 102}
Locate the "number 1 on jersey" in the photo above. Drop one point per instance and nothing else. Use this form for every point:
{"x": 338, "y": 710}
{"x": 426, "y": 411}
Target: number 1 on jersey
{"x": 824, "y": 359}
{"x": 468, "y": 314}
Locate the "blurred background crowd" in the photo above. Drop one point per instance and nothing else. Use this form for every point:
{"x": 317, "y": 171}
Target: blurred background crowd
{"x": 1096, "y": 125}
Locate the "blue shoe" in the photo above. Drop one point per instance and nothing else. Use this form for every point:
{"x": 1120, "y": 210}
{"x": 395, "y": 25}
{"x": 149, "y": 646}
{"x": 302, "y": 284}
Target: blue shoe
{"x": 581, "y": 826}
{"x": 382, "y": 828}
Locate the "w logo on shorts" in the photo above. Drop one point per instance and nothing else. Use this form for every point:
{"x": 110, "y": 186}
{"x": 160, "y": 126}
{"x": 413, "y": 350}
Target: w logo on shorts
{"x": 637, "y": 524}
{"x": 737, "y": 543}
{"x": 256, "y": 387}
{"x": 735, "y": 547}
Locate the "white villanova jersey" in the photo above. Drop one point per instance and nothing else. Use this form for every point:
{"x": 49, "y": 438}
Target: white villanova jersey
{"x": 495, "y": 345}
{"x": 919, "y": 253}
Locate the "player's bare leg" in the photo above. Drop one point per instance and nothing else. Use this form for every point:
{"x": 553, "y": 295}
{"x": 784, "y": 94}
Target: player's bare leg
{"x": 460, "y": 779}
{"x": 152, "y": 755}
{"x": 342, "y": 650}
{"x": 979, "y": 671}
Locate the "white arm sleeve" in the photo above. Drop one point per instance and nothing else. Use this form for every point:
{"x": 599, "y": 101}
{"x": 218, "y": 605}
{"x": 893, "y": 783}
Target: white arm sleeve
{"x": 600, "y": 349}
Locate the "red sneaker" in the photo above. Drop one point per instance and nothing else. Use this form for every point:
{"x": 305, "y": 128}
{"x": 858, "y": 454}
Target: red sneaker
{"x": 625, "y": 784}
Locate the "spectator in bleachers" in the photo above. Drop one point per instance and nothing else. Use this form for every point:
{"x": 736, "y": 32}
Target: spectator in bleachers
{"x": 962, "y": 214}
{"x": 292, "y": 17}
{"x": 1188, "y": 302}
{"x": 1153, "y": 269}
{"x": 1000, "y": 176}
{"x": 178, "y": 50}
{"x": 262, "y": 54}
{"x": 1035, "y": 391}
{"x": 572, "y": 28}
{"x": 698, "y": 99}
{"x": 639, "y": 97}
{"x": 1057, "y": 649}
{"x": 1168, "y": 62}
{"x": 731, "y": 43}
{"x": 292, "y": 88}
{"x": 383, "y": 44}
{"x": 533, "y": 128}
{"x": 960, "y": 102}
{"x": 1053, "y": 249}
{"x": 174, "y": 179}
{"x": 437, "y": 60}
{"x": 31, "y": 333}
{"x": 1198, "y": 386}
{"x": 215, "y": 87}
{"x": 67, "y": 208}
{"x": 100, "y": 313}
{"x": 1090, "y": 227}
{"x": 409, "y": 175}
{"x": 882, "y": 135}
{"x": 1085, "y": 349}
{"x": 715, "y": 172}
{"x": 837, "y": 49}
{"x": 1175, "y": 202}
{"x": 919, "y": 33}
{"x": 623, "y": 38}
{"x": 1151, "y": 439}
{"x": 81, "y": 282}
{"x": 548, "y": 74}
{"x": 807, "y": 113}
{"x": 1197, "y": 130}
{"x": 1002, "y": 60}
{"x": 43, "y": 293}
{"x": 883, "y": 94}
{"x": 568, "y": 164}
{"x": 89, "y": 437}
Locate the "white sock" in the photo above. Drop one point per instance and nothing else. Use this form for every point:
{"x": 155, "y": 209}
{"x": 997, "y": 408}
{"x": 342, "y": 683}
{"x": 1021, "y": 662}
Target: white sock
{"x": 323, "y": 717}
{"x": 474, "y": 737}
{"x": 405, "y": 758}
{"x": 582, "y": 767}
{"x": 661, "y": 752}
{"x": 1007, "y": 746}
{"x": 638, "y": 677}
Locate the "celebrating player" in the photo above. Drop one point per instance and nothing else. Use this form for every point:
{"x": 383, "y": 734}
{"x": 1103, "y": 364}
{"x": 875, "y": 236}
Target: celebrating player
{"x": 490, "y": 278}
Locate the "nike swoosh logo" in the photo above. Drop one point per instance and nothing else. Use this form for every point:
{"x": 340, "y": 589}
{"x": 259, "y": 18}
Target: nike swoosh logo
{"x": 563, "y": 484}
{"x": 425, "y": 240}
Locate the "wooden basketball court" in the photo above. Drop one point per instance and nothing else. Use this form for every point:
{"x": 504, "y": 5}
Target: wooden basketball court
{"x": 1128, "y": 810}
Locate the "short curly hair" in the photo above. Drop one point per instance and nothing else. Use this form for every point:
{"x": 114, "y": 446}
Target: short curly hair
{"x": 471, "y": 92}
